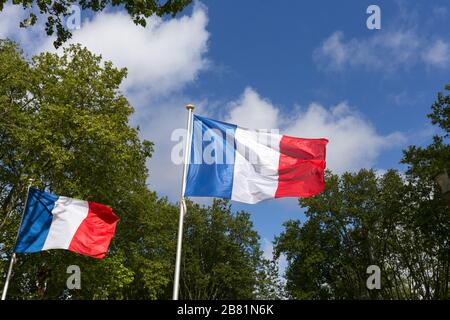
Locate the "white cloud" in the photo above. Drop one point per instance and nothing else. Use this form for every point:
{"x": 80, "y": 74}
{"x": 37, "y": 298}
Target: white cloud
{"x": 408, "y": 98}
{"x": 354, "y": 142}
{"x": 161, "y": 58}
{"x": 334, "y": 48}
{"x": 438, "y": 54}
{"x": 440, "y": 11}
{"x": 252, "y": 111}
{"x": 387, "y": 50}
{"x": 28, "y": 38}
{"x": 9, "y": 20}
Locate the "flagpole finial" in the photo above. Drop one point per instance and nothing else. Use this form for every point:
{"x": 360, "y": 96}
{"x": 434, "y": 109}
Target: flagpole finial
{"x": 190, "y": 106}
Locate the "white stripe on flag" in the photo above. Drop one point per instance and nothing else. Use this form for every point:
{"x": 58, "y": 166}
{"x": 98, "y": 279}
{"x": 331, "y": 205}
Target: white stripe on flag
{"x": 68, "y": 214}
{"x": 256, "y": 165}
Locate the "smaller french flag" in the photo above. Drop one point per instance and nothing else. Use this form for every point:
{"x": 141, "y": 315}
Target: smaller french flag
{"x": 55, "y": 222}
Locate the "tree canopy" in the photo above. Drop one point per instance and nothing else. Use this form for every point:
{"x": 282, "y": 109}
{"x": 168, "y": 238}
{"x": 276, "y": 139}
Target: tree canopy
{"x": 397, "y": 222}
{"x": 427, "y": 162}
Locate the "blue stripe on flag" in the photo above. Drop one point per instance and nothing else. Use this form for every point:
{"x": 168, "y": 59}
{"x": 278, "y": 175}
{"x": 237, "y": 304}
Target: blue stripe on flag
{"x": 211, "y": 167}
{"x": 36, "y": 221}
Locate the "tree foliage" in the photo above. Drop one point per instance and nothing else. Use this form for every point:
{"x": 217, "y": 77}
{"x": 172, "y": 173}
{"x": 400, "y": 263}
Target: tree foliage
{"x": 363, "y": 219}
{"x": 397, "y": 222}
{"x": 57, "y": 10}
{"x": 271, "y": 286}
{"x": 222, "y": 255}
{"x": 427, "y": 162}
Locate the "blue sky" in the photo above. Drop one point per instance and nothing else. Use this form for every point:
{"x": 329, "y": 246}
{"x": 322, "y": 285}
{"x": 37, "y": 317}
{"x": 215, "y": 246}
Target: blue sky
{"x": 308, "y": 68}
{"x": 270, "y": 46}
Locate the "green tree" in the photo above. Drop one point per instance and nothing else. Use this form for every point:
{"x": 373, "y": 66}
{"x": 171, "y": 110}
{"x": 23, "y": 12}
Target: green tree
{"x": 344, "y": 234}
{"x": 397, "y": 222}
{"x": 432, "y": 218}
{"x": 361, "y": 220}
{"x": 221, "y": 256}
{"x": 57, "y": 10}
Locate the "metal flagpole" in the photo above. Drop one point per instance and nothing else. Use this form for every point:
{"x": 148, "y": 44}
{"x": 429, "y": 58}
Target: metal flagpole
{"x": 183, "y": 208}
{"x": 13, "y": 256}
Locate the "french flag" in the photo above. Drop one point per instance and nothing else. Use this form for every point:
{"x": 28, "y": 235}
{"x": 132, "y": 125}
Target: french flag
{"x": 55, "y": 222}
{"x": 227, "y": 161}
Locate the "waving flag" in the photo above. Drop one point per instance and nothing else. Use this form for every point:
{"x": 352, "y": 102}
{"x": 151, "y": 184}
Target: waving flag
{"x": 54, "y": 222}
{"x": 249, "y": 166}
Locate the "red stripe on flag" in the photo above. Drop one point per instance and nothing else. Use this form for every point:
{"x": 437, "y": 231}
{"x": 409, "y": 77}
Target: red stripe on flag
{"x": 301, "y": 167}
{"x": 94, "y": 234}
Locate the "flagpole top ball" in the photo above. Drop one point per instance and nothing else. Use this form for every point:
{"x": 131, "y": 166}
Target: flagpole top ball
{"x": 190, "y": 107}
